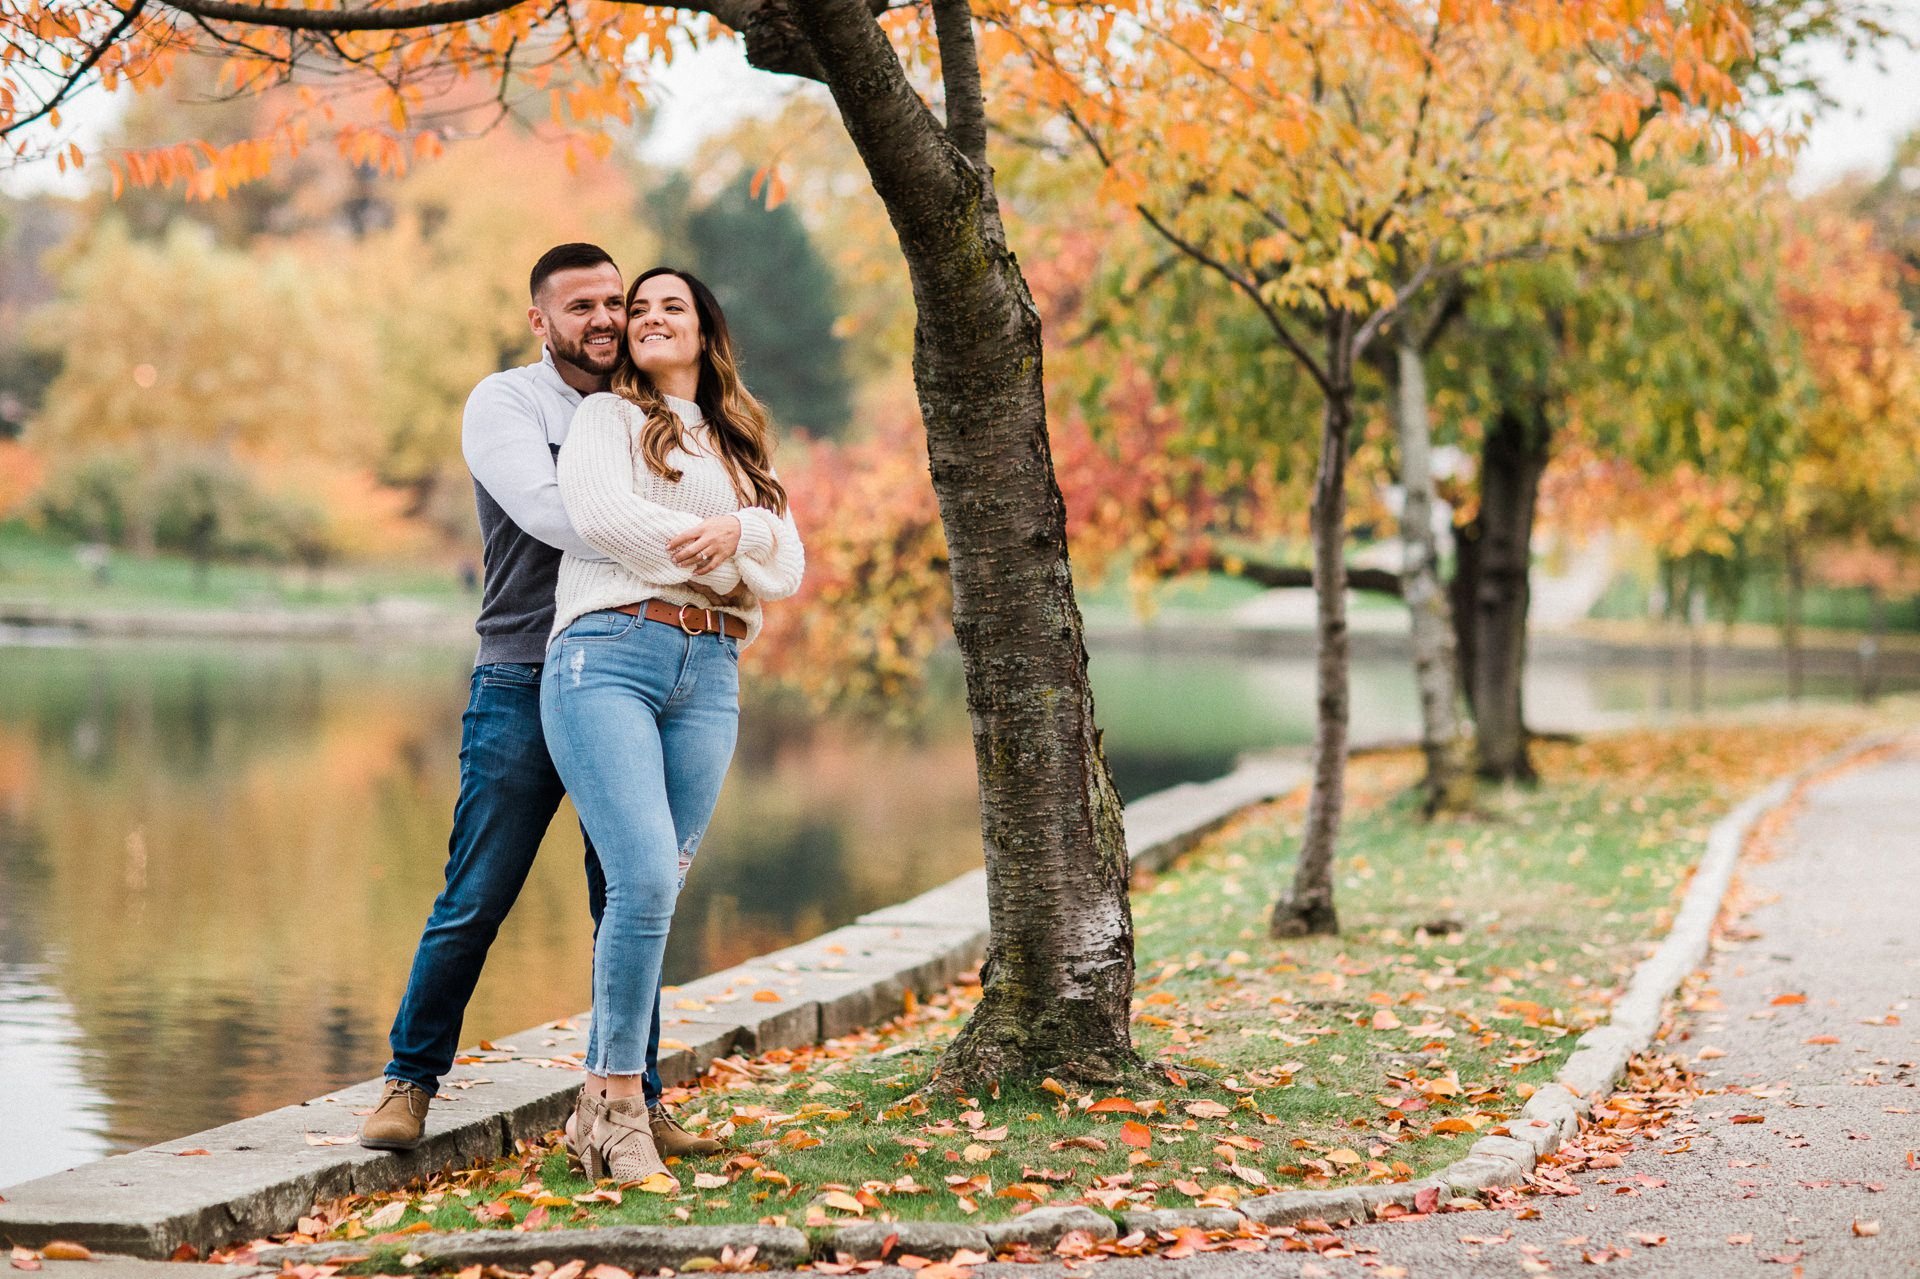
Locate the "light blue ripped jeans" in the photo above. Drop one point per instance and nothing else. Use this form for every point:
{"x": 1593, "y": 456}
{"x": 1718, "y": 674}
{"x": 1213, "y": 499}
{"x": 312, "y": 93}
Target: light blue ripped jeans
{"x": 640, "y": 719}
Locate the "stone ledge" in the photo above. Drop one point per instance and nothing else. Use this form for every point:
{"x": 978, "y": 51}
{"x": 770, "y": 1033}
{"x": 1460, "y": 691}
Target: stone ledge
{"x": 637, "y": 1249}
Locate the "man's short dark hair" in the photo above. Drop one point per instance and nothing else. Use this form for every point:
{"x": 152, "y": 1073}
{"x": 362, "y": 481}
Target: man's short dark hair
{"x": 564, "y": 257}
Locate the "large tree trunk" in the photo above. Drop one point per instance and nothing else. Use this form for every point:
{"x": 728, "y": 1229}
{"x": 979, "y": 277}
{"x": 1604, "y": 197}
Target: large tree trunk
{"x": 1059, "y": 971}
{"x": 1307, "y": 907}
{"x": 1490, "y": 592}
{"x": 1448, "y": 785}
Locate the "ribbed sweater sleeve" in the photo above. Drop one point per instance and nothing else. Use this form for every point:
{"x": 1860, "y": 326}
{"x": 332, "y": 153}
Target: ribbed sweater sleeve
{"x": 770, "y": 558}
{"x": 596, "y": 484}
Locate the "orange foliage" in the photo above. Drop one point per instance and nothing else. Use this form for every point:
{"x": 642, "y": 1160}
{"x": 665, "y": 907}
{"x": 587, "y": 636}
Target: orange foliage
{"x": 21, "y": 473}
{"x": 876, "y": 599}
{"x": 1857, "y": 473}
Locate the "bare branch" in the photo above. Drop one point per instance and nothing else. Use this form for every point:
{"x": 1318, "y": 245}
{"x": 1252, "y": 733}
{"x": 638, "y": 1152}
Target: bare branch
{"x": 1376, "y": 581}
{"x": 773, "y": 42}
{"x": 1248, "y": 286}
{"x": 80, "y": 72}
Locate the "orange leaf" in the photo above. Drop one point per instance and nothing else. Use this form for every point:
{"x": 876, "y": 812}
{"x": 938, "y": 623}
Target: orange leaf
{"x": 1782, "y": 1000}
{"x": 1136, "y": 1134}
{"x": 1114, "y": 1105}
{"x": 765, "y": 997}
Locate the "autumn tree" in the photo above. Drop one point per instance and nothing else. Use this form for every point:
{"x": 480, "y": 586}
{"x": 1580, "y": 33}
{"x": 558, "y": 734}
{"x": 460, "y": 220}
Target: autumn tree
{"x": 1059, "y": 972}
{"x": 1332, "y": 161}
{"x": 1854, "y": 478}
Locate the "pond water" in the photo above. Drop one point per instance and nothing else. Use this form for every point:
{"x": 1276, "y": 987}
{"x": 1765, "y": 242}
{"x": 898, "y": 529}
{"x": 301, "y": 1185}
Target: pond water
{"x": 215, "y": 858}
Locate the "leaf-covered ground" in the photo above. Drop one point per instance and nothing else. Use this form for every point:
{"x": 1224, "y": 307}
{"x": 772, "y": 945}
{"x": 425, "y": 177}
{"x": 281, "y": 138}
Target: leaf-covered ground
{"x": 1474, "y": 950}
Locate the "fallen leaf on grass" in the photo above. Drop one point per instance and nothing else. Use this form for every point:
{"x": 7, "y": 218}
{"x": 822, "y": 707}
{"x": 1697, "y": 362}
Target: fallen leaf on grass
{"x": 841, "y": 1200}
{"x": 1137, "y": 1135}
{"x": 1207, "y": 1110}
{"x": 706, "y": 1181}
{"x": 659, "y": 1183}
{"x": 390, "y": 1215}
{"x": 1114, "y": 1105}
{"x": 1385, "y": 1020}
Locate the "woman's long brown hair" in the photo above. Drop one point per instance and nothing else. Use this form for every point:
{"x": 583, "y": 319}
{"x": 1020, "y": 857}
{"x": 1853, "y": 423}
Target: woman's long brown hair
{"x": 742, "y": 432}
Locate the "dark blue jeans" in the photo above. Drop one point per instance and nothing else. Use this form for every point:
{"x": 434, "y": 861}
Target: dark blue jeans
{"x": 509, "y": 793}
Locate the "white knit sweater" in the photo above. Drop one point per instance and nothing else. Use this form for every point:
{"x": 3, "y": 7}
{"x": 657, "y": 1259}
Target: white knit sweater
{"x": 627, "y": 513}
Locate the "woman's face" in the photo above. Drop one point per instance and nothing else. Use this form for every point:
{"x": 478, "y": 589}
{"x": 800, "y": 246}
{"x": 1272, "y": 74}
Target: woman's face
{"x": 663, "y": 330}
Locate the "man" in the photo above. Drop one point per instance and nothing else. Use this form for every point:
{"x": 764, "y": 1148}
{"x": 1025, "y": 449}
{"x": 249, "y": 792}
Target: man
{"x": 514, "y": 425}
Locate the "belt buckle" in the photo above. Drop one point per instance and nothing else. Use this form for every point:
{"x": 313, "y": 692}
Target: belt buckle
{"x": 682, "y": 620}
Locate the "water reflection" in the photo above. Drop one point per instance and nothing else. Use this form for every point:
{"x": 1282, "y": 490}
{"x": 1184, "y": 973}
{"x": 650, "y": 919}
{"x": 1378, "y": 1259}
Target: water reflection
{"x": 215, "y": 859}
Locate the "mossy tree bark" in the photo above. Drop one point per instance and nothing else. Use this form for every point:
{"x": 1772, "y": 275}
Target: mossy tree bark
{"x": 1059, "y": 973}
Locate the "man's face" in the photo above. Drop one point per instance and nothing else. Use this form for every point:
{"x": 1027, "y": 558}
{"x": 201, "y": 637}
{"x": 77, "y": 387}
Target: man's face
{"x": 581, "y": 314}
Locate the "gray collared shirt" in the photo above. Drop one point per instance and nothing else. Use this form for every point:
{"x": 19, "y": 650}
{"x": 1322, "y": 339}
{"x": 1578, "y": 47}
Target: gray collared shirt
{"x": 515, "y": 422}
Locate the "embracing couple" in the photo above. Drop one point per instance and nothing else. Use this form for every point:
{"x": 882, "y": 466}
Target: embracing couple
{"x": 633, "y": 526}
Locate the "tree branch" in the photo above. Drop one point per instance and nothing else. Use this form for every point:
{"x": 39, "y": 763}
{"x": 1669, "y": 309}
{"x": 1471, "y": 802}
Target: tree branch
{"x": 87, "y": 64}
{"x": 773, "y": 42}
{"x": 960, "y": 73}
{"x": 1375, "y": 581}
{"x": 1248, "y": 286}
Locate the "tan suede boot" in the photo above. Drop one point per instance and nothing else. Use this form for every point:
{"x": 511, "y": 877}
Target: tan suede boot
{"x": 400, "y": 1119}
{"x": 621, "y": 1143}
{"x": 675, "y": 1141}
{"x": 579, "y": 1127}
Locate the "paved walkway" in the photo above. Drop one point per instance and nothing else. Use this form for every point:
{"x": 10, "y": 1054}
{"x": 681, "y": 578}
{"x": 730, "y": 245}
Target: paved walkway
{"x": 1772, "y": 1198}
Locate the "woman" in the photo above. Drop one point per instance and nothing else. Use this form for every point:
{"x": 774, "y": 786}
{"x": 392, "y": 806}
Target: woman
{"x": 670, "y": 475}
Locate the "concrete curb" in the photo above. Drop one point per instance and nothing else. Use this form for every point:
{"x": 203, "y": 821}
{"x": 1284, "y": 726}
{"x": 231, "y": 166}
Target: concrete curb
{"x": 257, "y": 1176}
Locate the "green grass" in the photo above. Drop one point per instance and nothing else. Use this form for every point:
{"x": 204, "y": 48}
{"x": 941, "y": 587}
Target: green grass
{"x": 41, "y": 569}
{"x": 1474, "y": 950}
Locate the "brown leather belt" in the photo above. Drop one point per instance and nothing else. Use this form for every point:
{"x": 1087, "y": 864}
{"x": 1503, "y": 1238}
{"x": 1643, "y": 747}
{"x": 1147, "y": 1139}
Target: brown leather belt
{"x": 690, "y": 618}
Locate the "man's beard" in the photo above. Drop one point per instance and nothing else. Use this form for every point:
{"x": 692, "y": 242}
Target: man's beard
{"x": 587, "y": 360}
